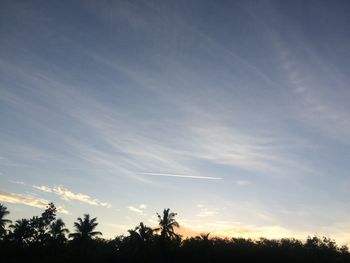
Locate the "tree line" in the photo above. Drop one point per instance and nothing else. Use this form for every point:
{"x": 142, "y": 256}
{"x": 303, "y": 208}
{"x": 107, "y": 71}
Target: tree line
{"x": 45, "y": 238}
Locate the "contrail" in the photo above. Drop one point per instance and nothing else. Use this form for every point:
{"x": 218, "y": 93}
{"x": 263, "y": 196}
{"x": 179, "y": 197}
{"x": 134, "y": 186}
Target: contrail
{"x": 183, "y": 176}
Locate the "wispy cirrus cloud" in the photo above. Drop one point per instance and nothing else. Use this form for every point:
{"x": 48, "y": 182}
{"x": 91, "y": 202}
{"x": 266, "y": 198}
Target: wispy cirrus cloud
{"x": 135, "y": 146}
{"x": 134, "y": 209}
{"x": 313, "y": 82}
{"x": 28, "y": 200}
{"x": 68, "y": 195}
{"x": 140, "y": 209}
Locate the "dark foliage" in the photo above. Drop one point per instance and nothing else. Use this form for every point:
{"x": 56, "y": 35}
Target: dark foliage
{"x": 44, "y": 239}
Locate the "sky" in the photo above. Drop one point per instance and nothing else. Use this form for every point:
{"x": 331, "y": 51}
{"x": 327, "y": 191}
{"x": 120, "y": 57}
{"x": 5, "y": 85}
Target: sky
{"x": 233, "y": 114}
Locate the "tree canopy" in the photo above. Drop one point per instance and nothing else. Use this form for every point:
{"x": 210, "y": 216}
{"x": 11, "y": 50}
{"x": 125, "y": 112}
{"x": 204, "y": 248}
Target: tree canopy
{"x": 44, "y": 239}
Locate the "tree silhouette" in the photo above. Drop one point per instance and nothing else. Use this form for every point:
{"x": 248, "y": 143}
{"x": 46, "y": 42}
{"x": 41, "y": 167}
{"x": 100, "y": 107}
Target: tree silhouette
{"x": 22, "y": 232}
{"x": 41, "y": 224}
{"x": 138, "y": 243}
{"x": 167, "y": 223}
{"x": 85, "y": 228}
{"x": 24, "y": 243}
{"x": 3, "y": 213}
{"x": 145, "y": 233}
{"x": 58, "y": 231}
{"x": 49, "y": 214}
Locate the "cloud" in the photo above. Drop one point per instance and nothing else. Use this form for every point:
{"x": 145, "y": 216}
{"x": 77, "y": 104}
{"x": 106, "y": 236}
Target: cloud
{"x": 141, "y": 147}
{"x": 147, "y": 150}
{"x": 68, "y": 195}
{"x": 314, "y": 84}
{"x": 139, "y": 210}
{"x": 23, "y": 199}
{"x": 183, "y": 176}
{"x": 134, "y": 209}
{"x": 43, "y": 188}
{"x": 28, "y": 200}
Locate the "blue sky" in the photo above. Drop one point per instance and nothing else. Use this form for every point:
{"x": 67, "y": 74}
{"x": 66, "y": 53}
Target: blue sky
{"x": 235, "y": 115}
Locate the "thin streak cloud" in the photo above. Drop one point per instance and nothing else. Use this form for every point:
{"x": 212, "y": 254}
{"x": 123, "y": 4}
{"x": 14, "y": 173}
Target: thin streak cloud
{"x": 183, "y": 176}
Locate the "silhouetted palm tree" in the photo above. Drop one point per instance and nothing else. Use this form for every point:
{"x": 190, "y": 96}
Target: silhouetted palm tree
{"x": 58, "y": 230}
{"x": 85, "y": 228}
{"x": 3, "y": 213}
{"x": 144, "y": 232}
{"x": 167, "y": 223}
{"x": 22, "y": 231}
{"x": 138, "y": 242}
